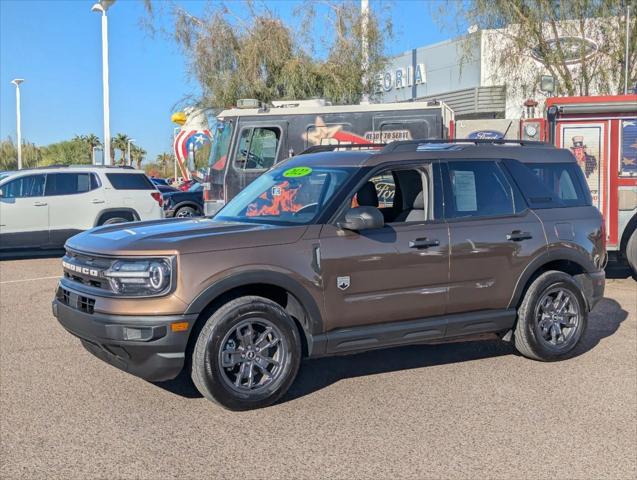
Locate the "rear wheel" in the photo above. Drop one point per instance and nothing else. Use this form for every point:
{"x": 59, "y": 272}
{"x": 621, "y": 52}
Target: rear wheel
{"x": 247, "y": 354}
{"x": 552, "y": 318}
{"x": 186, "y": 212}
{"x": 113, "y": 220}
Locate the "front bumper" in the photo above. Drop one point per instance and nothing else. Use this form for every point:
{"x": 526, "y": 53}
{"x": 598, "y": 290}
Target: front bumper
{"x": 169, "y": 212}
{"x": 144, "y": 346}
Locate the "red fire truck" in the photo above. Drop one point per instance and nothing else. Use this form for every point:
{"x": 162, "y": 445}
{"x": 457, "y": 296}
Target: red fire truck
{"x": 602, "y": 134}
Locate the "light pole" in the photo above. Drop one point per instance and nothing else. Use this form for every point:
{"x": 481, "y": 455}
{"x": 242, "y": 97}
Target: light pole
{"x": 17, "y": 82}
{"x": 130, "y": 140}
{"x": 102, "y": 6}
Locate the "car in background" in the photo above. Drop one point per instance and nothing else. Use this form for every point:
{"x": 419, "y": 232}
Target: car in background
{"x": 43, "y": 207}
{"x": 166, "y": 189}
{"x": 184, "y": 204}
{"x": 159, "y": 181}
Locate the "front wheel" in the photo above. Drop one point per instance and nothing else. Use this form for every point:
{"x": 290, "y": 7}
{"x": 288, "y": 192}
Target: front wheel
{"x": 185, "y": 212}
{"x": 247, "y": 354}
{"x": 631, "y": 252}
{"x": 552, "y": 318}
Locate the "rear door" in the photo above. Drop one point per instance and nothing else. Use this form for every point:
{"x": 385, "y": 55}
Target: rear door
{"x": 24, "y": 213}
{"x": 133, "y": 190}
{"x": 75, "y": 199}
{"x": 493, "y": 234}
{"x": 258, "y": 146}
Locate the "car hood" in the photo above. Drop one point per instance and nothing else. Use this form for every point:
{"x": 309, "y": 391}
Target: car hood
{"x": 181, "y": 236}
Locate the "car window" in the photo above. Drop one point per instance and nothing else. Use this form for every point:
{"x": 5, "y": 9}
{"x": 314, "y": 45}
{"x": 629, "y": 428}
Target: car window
{"x": 70, "y": 183}
{"x": 27, "y": 186}
{"x": 476, "y": 189}
{"x": 130, "y": 181}
{"x": 402, "y": 194}
{"x": 257, "y": 148}
{"x": 550, "y": 185}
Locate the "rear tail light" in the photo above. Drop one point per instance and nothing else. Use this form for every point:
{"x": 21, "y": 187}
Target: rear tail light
{"x": 157, "y": 197}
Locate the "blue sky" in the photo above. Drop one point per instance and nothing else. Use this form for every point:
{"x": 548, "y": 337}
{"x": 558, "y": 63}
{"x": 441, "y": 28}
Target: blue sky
{"x": 55, "y": 45}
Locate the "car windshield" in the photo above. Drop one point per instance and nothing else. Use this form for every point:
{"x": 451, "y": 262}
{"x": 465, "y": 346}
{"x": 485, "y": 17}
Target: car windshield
{"x": 286, "y": 196}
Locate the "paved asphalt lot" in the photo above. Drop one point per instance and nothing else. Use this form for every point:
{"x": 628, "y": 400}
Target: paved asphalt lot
{"x": 472, "y": 410}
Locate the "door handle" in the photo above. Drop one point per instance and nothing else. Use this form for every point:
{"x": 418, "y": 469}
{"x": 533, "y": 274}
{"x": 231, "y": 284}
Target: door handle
{"x": 518, "y": 236}
{"x": 40, "y": 204}
{"x": 423, "y": 243}
{"x": 96, "y": 200}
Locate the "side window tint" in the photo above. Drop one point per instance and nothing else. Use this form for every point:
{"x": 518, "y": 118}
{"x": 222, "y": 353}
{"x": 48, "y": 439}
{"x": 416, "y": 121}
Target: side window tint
{"x": 29, "y": 186}
{"x": 477, "y": 189}
{"x": 68, "y": 183}
{"x": 130, "y": 181}
{"x": 550, "y": 185}
{"x": 257, "y": 148}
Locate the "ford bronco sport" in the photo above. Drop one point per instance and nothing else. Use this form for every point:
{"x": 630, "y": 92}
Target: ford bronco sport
{"x": 339, "y": 252}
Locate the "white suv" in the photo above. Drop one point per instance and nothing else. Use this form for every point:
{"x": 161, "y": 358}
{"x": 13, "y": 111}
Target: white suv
{"x": 42, "y": 207}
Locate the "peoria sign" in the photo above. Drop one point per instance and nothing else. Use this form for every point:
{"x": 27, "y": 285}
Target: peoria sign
{"x": 402, "y": 77}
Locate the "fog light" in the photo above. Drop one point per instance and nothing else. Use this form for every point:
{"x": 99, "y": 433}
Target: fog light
{"x": 132, "y": 333}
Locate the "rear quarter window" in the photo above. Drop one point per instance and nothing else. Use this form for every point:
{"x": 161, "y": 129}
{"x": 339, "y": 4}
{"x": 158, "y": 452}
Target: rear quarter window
{"x": 550, "y": 185}
{"x": 130, "y": 181}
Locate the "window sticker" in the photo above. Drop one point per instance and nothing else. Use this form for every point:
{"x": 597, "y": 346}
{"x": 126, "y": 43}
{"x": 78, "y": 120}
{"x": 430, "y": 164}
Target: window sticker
{"x": 297, "y": 172}
{"x": 464, "y": 189}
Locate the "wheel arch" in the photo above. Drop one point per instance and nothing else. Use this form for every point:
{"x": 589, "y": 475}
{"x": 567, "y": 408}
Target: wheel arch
{"x": 110, "y": 212}
{"x": 562, "y": 260}
{"x": 188, "y": 203}
{"x": 275, "y": 286}
{"x": 631, "y": 226}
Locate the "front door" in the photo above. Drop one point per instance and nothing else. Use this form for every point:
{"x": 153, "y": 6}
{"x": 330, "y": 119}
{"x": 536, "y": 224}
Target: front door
{"x": 24, "y": 213}
{"x": 398, "y": 272}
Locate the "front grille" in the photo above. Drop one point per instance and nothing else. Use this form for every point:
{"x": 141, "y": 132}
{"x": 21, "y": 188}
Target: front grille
{"x": 93, "y": 268}
{"x": 86, "y": 304}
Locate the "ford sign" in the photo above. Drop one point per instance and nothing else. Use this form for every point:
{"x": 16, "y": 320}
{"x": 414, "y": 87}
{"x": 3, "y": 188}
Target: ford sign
{"x": 486, "y": 135}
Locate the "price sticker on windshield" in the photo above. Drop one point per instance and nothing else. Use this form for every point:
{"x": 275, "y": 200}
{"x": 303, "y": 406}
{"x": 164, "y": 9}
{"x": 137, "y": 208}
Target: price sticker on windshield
{"x": 297, "y": 172}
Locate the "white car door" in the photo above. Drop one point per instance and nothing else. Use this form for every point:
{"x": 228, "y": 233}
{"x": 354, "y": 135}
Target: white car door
{"x": 75, "y": 200}
{"x": 24, "y": 213}
{"x": 133, "y": 190}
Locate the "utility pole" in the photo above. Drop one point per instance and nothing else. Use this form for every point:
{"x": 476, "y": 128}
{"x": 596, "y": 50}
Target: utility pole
{"x": 101, "y": 7}
{"x": 18, "y": 120}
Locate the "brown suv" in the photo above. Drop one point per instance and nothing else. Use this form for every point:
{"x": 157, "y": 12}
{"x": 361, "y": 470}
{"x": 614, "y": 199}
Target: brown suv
{"x": 339, "y": 252}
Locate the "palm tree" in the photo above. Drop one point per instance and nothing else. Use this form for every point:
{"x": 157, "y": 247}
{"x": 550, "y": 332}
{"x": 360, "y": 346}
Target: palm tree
{"x": 91, "y": 140}
{"x": 137, "y": 154}
{"x": 164, "y": 160}
{"x": 120, "y": 142}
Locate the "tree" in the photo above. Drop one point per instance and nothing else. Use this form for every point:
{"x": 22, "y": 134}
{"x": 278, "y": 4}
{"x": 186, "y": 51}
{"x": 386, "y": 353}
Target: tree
{"x": 120, "y": 142}
{"x": 252, "y": 53}
{"x": 91, "y": 141}
{"x": 549, "y": 32}
{"x": 31, "y": 155}
{"x": 137, "y": 155}
{"x": 165, "y": 162}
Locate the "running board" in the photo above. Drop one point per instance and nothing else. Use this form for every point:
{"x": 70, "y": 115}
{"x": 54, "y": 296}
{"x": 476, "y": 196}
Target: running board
{"x": 428, "y": 330}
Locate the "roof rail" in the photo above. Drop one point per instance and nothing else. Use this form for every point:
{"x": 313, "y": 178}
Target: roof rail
{"x": 393, "y": 146}
{"x": 79, "y": 165}
{"x": 345, "y": 146}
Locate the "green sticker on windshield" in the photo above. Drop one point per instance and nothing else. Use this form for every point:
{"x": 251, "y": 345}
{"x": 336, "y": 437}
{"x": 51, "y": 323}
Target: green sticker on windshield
{"x": 297, "y": 172}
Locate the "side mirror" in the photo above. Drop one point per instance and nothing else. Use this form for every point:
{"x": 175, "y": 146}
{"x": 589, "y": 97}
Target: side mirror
{"x": 362, "y": 218}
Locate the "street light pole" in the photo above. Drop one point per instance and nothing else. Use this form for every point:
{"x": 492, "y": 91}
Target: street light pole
{"x": 17, "y": 82}
{"x": 101, "y": 7}
{"x": 130, "y": 140}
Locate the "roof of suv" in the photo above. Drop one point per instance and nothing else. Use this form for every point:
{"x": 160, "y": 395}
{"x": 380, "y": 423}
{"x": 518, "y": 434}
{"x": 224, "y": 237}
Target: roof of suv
{"x": 526, "y": 152}
{"x": 75, "y": 168}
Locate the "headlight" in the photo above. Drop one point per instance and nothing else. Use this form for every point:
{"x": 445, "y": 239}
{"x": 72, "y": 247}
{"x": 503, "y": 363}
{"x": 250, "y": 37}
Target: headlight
{"x": 140, "y": 277}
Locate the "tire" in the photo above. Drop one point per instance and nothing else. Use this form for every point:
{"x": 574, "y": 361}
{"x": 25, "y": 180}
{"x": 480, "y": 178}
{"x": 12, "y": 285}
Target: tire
{"x": 536, "y": 331}
{"x": 227, "y": 331}
{"x": 631, "y": 252}
{"x": 186, "y": 212}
